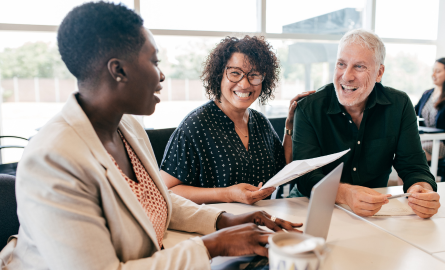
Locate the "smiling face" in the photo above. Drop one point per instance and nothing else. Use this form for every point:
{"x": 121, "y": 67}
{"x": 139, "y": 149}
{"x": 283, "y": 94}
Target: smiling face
{"x": 144, "y": 79}
{"x": 240, "y": 95}
{"x": 356, "y": 73}
{"x": 438, "y": 74}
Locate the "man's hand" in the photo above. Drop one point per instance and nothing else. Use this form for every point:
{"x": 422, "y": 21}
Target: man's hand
{"x": 248, "y": 194}
{"x": 423, "y": 200}
{"x": 362, "y": 200}
{"x": 293, "y": 106}
{"x": 258, "y": 217}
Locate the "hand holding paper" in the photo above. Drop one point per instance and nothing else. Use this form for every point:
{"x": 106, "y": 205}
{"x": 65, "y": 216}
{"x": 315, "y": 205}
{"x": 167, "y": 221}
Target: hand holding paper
{"x": 298, "y": 168}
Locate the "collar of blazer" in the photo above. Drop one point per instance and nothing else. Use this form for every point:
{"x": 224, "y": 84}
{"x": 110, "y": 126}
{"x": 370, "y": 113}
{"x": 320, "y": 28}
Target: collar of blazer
{"x": 138, "y": 139}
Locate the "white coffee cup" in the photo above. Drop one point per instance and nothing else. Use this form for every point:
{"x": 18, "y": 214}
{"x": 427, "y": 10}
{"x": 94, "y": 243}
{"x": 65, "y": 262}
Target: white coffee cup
{"x": 296, "y": 251}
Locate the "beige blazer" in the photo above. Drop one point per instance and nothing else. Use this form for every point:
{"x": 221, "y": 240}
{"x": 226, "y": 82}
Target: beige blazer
{"x": 77, "y": 212}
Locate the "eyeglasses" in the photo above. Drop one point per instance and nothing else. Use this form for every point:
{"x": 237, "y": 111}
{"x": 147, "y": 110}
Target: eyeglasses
{"x": 235, "y": 75}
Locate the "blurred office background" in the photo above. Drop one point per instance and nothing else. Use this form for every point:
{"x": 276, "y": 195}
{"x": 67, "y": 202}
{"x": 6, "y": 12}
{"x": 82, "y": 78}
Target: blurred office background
{"x": 34, "y": 83}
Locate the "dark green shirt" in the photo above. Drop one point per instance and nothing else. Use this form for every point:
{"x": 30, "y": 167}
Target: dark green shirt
{"x": 388, "y": 136}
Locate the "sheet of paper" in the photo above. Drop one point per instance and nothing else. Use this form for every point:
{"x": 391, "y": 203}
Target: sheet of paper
{"x": 393, "y": 208}
{"x": 298, "y": 168}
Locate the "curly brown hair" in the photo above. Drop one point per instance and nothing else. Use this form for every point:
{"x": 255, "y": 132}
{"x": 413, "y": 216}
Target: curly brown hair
{"x": 259, "y": 54}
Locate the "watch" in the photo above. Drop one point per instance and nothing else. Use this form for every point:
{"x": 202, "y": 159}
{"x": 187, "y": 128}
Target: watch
{"x": 288, "y": 131}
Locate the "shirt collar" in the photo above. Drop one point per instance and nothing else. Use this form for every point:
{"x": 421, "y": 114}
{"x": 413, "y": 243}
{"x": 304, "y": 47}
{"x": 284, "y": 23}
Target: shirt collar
{"x": 377, "y": 96}
{"x": 223, "y": 118}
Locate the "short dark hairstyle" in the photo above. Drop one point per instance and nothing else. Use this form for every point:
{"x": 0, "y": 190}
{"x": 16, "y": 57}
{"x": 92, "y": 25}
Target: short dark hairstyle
{"x": 259, "y": 54}
{"x": 93, "y": 33}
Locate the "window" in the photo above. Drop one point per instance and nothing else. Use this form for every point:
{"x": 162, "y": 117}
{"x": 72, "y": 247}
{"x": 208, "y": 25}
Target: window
{"x": 408, "y": 67}
{"x": 314, "y": 17}
{"x": 181, "y": 62}
{"x": 209, "y": 15}
{"x": 304, "y": 66}
{"x": 43, "y": 12}
{"x": 35, "y": 83}
{"x": 407, "y": 19}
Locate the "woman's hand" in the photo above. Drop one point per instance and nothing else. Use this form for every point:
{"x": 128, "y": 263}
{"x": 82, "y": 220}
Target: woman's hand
{"x": 258, "y": 217}
{"x": 293, "y": 106}
{"x": 246, "y": 239}
{"x": 248, "y": 194}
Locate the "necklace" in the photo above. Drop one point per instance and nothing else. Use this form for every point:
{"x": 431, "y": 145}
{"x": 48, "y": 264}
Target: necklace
{"x": 245, "y": 136}
{"x": 240, "y": 130}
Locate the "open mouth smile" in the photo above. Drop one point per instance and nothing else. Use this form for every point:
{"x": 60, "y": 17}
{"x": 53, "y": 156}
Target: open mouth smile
{"x": 349, "y": 88}
{"x": 242, "y": 94}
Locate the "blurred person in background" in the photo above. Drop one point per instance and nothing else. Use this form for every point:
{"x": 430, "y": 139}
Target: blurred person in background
{"x": 224, "y": 151}
{"x": 431, "y": 107}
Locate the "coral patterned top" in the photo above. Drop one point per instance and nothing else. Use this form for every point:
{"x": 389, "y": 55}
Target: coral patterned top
{"x": 146, "y": 192}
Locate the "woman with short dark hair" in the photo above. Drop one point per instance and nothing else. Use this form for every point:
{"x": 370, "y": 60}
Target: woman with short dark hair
{"x": 89, "y": 192}
{"x": 224, "y": 151}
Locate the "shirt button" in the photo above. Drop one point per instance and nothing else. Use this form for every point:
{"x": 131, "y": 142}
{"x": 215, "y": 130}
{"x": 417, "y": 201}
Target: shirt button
{"x": 354, "y": 169}
{"x": 350, "y": 121}
{"x": 344, "y": 114}
{"x": 358, "y": 142}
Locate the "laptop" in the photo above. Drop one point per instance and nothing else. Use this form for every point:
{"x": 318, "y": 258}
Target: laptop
{"x": 321, "y": 204}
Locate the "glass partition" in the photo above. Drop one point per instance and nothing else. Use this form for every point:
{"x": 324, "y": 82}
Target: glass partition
{"x": 314, "y": 17}
{"x": 42, "y": 12}
{"x": 181, "y": 62}
{"x": 228, "y": 15}
{"x": 34, "y": 85}
{"x": 407, "y": 19}
{"x": 408, "y": 67}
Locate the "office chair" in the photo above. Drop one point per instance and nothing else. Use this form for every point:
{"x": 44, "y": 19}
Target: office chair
{"x": 159, "y": 139}
{"x": 441, "y": 169}
{"x": 278, "y": 125}
{"x": 10, "y": 168}
{"x": 9, "y": 222}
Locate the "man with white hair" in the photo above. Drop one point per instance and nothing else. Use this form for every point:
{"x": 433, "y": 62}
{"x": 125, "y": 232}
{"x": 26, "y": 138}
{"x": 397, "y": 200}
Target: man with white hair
{"x": 377, "y": 122}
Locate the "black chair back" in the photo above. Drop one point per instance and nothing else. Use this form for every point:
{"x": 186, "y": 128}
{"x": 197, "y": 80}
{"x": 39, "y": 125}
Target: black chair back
{"x": 159, "y": 139}
{"x": 9, "y": 168}
{"x": 9, "y": 222}
{"x": 441, "y": 169}
{"x": 279, "y": 124}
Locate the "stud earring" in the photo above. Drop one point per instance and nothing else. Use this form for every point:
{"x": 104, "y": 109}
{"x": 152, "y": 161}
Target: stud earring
{"x": 118, "y": 79}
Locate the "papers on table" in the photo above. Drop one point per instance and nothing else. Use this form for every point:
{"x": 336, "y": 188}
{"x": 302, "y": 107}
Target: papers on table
{"x": 393, "y": 208}
{"x": 298, "y": 168}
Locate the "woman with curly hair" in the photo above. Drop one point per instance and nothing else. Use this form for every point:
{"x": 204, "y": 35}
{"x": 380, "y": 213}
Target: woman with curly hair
{"x": 223, "y": 151}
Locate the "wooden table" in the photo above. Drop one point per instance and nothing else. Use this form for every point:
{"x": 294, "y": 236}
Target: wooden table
{"x": 425, "y": 234}
{"x": 355, "y": 242}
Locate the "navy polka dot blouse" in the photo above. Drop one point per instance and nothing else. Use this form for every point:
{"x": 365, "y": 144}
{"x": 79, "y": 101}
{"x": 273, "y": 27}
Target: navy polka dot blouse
{"x": 206, "y": 151}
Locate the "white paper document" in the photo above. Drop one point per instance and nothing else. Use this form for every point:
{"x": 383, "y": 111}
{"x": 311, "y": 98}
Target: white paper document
{"x": 298, "y": 168}
{"x": 393, "y": 208}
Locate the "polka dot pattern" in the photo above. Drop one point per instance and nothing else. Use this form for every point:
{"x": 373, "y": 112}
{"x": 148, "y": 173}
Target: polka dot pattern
{"x": 146, "y": 192}
{"x": 206, "y": 151}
